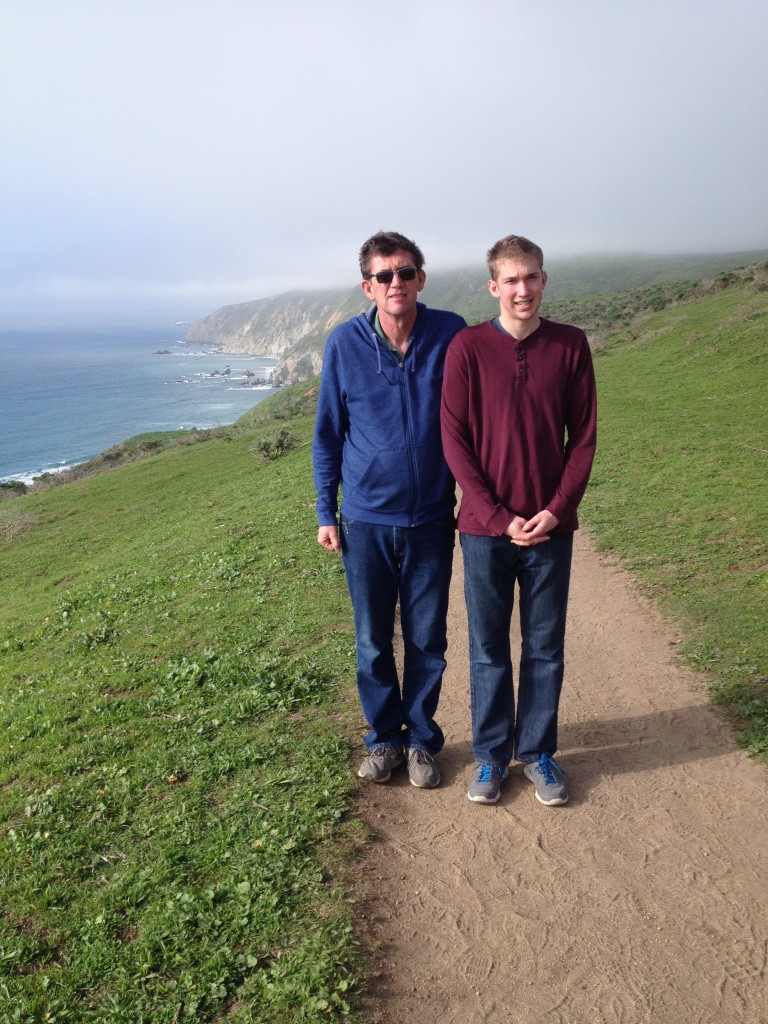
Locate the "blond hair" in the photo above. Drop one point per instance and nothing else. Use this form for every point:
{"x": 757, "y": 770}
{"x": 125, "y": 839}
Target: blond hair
{"x": 512, "y": 247}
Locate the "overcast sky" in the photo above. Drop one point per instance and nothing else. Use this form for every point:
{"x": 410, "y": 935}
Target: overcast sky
{"x": 184, "y": 154}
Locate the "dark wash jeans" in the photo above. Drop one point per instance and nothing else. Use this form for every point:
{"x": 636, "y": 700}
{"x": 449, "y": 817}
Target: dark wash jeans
{"x": 492, "y": 567}
{"x": 412, "y": 564}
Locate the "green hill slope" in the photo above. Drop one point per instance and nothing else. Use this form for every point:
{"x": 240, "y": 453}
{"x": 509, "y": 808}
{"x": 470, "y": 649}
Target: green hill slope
{"x": 175, "y": 657}
{"x": 680, "y": 485}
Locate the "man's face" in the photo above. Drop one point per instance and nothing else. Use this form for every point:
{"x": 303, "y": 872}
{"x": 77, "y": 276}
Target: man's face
{"x": 518, "y": 286}
{"x": 398, "y": 298}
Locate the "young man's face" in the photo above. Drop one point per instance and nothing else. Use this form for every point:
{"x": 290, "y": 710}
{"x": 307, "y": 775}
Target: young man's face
{"x": 398, "y": 298}
{"x": 518, "y": 286}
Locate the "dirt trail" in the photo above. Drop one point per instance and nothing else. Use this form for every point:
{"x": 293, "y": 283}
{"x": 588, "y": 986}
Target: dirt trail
{"x": 645, "y": 899}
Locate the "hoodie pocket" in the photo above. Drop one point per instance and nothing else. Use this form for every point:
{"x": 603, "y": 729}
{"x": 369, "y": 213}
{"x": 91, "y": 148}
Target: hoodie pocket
{"x": 384, "y": 484}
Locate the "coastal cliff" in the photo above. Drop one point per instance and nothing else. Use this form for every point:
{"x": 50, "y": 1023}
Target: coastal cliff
{"x": 293, "y": 327}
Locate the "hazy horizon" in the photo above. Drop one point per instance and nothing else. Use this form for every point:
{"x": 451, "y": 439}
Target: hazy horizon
{"x": 178, "y": 157}
{"x": 148, "y": 313}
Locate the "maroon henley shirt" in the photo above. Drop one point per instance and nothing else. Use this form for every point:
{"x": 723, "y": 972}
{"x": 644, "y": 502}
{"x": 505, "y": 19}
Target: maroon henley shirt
{"x": 519, "y": 424}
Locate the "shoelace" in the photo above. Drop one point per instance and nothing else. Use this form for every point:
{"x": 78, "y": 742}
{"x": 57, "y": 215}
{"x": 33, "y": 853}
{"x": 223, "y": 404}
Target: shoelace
{"x": 384, "y": 752}
{"x": 422, "y": 757}
{"x": 486, "y": 770}
{"x": 546, "y": 763}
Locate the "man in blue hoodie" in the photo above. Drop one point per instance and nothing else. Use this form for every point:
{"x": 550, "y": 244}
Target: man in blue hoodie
{"x": 377, "y": 437}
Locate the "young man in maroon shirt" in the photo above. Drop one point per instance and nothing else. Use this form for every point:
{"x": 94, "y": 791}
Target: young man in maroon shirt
{"x": 519, "y": 427}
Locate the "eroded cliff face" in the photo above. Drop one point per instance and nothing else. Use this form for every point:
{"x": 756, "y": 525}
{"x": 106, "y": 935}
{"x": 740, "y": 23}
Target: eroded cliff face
{"x": 294, "y": 327}
{"x": 273, "y": 326}
{"x": 293, "y": 367}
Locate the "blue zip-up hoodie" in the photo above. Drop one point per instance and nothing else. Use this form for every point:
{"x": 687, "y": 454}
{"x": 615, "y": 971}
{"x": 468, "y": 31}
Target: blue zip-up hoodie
{"x": 377, "y": 432}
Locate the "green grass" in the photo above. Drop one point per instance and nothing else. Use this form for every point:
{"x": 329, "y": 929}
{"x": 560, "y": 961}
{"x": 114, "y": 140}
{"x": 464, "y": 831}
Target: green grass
{"x": 176, "y": 665}
{"x": 680, "y": 486}
{"x": 174, "y": 772}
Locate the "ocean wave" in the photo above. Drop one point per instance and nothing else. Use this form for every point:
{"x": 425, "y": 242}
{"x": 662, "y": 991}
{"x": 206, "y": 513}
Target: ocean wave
{"x": 29, "y": 478}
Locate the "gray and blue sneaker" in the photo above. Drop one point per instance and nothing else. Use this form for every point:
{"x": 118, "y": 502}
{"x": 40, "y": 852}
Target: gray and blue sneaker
{"x": 485, "y": 787}
{"x": 380, "y": 764}
{"x": 549, "y": 779}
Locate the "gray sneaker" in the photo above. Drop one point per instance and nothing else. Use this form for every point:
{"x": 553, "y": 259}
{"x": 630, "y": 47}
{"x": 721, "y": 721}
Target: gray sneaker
{"x": 549, "y": 780}
{"x": 380, "y": 764}
{"x": 422, "y": 770}
{"x": 485, "y": 787}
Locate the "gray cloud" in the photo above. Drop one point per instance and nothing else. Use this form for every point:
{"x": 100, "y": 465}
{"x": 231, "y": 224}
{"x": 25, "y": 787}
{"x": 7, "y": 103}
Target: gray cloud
{"x": 188, "y": 154}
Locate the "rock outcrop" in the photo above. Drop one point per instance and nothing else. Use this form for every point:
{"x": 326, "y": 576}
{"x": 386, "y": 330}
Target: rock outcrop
{"x": 271, "y": 326}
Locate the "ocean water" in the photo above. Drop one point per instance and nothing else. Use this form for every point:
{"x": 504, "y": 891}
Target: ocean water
{"x": 69, "y": 393}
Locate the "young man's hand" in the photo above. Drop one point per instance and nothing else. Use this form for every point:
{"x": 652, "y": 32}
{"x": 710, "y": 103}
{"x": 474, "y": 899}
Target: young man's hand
{"x": 328, "y": 538}
{"x": 526, "y": 534}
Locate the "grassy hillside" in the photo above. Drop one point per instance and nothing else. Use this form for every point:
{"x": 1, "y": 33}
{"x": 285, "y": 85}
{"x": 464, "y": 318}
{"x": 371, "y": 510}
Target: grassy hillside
{"x": 583, "y": 277}
{"x": 680, "y": 486}
{"x": 176, "y": 673}
{"x": 175, "y": 659}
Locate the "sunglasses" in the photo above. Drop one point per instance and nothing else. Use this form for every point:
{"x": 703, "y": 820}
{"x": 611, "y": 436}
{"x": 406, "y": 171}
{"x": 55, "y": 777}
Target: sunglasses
{"x": 388, "y": 276}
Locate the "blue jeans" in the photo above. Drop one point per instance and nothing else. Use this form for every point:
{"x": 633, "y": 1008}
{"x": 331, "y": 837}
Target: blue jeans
{"x": 411, "y": 564}
{"x": 492, "y": 566}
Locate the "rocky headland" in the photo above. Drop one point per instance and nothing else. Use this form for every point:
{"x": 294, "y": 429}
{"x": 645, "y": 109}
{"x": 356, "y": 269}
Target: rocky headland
{"x": 293, "y": 327}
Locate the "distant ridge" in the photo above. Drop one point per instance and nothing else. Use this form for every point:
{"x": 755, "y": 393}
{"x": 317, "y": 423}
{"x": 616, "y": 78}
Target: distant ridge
{"x": 294, "y": 326}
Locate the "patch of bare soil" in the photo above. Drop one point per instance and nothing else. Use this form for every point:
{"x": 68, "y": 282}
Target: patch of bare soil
{"x": 644, "y": 899}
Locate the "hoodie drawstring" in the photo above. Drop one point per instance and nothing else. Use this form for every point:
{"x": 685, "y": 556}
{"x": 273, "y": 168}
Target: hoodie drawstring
{"x": 378, "y": 351}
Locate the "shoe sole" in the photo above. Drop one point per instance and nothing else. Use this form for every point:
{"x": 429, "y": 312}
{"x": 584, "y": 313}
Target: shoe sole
{"x": 483, "y": 799}
{"x": 424, "y": 785}
{"x": 557, "y": 801}
{"x": 369, "y": 778}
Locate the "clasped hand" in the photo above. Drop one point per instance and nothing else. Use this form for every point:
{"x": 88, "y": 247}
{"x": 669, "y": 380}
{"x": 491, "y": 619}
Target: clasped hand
{"x": 528, "y": 533}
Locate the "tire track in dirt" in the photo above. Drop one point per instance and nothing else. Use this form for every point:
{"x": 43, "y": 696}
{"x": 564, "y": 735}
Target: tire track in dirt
{"x": 642, "y": 900}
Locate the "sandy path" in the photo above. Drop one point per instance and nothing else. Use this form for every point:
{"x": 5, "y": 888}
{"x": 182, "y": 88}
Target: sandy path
{"x": 645, "y": 899}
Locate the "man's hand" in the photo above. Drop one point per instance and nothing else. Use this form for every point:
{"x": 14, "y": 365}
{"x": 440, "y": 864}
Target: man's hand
{"x": 534, "y": 531}
{"x": 328, "y": 538}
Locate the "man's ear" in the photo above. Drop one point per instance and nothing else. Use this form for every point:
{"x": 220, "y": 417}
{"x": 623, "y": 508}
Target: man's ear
{"x": 368, "y": 291}
{"x": 493, "y": 288}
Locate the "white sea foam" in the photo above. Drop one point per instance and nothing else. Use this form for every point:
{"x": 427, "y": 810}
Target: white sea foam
{"x": 29, "y": 478}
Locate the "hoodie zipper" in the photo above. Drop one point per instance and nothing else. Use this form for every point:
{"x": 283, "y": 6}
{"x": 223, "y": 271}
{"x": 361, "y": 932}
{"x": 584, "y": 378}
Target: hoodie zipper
{"x": 405, "y": 402}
